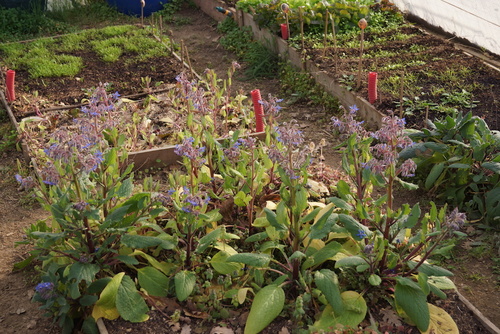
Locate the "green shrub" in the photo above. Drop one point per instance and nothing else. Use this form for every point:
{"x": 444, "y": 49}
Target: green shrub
{"x": 459, "y": 160}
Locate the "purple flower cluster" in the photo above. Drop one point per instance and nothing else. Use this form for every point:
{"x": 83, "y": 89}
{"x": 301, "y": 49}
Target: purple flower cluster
{"x": 100, "y": 103}
{"x": 79, "y": 147}
{"x": 193, "y": 203}
{"x": 26, "y": 183}
{"x": 271, "y": 107}
{"x": 455, "y": 220}
{"x": 192, "y": 91}
{"x": 233, "y": 153}
{"x": 80, "y": 206}
{"x": 349, "y": 125}
{"x": 292, "y": 156}
{"x": 45, "y": 290}
{"x": 391, "y": 137}
{"x": 194, "y": 154}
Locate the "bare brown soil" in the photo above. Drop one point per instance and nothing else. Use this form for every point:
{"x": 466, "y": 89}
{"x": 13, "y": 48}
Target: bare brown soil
{"x": 474, "y": 277}
{"x": 434, "y": 56}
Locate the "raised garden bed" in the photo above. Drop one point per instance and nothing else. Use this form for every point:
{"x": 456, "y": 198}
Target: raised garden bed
{"x": 420, "y": 76}
{"x": 154, "y": 98}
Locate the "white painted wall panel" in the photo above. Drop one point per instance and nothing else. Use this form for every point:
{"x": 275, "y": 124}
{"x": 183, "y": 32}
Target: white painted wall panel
{"x": 62, "y": 4}
{"x": 475, "y": 20}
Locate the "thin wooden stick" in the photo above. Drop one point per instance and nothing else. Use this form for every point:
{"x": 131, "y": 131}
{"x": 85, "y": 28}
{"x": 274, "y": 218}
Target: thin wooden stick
{"x": 327, "y": 14}
{"x": 303, "y": 51}
{"x": 426, "y": 116}
{"x": 401, "y": 86}
{"x": 160, "y": 23}
{"x": 182, "y": 52}
{"x": 171, "y": 40}
{"x": 189, "y": 63}
{"x": 335, "y": 55}
{"x": 287, "y": 25}
{"x": 360, "y": 63}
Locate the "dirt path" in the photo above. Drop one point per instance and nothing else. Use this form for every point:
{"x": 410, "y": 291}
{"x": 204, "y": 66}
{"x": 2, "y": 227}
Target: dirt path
{"x": 17, "y": 211}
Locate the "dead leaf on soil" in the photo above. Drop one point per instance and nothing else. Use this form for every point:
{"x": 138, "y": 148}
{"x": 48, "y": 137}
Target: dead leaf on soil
{"x": 390, "y": 318}
{"x": 186, "y": 329}
{"x": 221, "y": 330}
{"x": 284, "y": 330}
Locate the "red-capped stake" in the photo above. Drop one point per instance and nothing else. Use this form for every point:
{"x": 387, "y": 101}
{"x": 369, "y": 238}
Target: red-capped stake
{"x": 284, "y": 31}
{"x": 372, "y": 87}
{"x": 11, "y": 92}
{"x": 258, "y": 110}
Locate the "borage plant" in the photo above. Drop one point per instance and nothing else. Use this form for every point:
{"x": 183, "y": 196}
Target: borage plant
{"x": 333, "y": 258}
{"x": 99, "y": 220}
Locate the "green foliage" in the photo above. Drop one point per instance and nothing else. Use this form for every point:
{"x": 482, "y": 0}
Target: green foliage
{"x": 458, "y": 160}
{"x": 460, "y": 99}
{"x": 235, "y": 39}
{"x": 259, "y": 61}
{"x": 19, "y": 24}
{"x": 303, "y": 88}
{"x": 268, "y": 14}
{"x": 267, "y": 305}
{"x": 169, "y": 10}
{"x": 8, "y": 135}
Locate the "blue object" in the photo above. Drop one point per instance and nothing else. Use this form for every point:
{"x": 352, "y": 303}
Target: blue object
{"x": 133, "y": 7}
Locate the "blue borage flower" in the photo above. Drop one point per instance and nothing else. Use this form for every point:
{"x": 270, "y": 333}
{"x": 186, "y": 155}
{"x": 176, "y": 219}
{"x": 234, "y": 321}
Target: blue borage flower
{"x": 186, "y": 149}
{"x": 45, "y": 290}
{"x": 271, "y": 106}
{"x": 349, "y": 126}
{"x": 455, "y": 220}
{"x": 361, "y": 234}
{"x": 26, "y": 183}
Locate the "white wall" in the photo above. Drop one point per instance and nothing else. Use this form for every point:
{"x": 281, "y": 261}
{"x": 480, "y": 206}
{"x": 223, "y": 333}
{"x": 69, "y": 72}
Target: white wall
{"x": 62, "y": 4}
{"x": 475, "y": 20}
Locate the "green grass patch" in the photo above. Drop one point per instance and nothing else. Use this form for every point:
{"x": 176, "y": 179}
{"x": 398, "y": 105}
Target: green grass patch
{"x": 51, "y": 57}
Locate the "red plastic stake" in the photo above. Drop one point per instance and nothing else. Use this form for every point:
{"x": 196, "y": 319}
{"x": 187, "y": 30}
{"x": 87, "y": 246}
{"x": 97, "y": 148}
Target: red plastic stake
{"x": 284, "y": 31}
{"x": 258, "y": 110}
{"x": 372, "y": 87}
{"x": 11, "y": 92}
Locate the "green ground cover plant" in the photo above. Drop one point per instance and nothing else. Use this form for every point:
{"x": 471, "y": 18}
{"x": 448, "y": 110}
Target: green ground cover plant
{"x": 259, "y": 61}
{"x": 51, "y": 57}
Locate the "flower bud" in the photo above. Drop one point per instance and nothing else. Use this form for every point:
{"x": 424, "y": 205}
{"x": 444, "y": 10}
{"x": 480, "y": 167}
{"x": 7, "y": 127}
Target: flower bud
{"x": 362, "y": 24}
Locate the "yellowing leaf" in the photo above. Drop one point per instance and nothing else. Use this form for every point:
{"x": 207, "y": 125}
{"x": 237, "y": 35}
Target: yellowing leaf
{"x": 354, "y": 312}
{"x": 105, "y": 307}
{"x": 242, "y": 294}
{"x": 323, "y": 211}
{"x": 167, "y": 120}
{"x": 441, "y": 322}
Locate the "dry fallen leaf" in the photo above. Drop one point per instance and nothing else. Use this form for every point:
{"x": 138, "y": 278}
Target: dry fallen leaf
{"x": 390, "y": 317}
{"x": 186, "y": 329}
{"x": 221, "y": 330}
{"x": 284, "y": 330}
